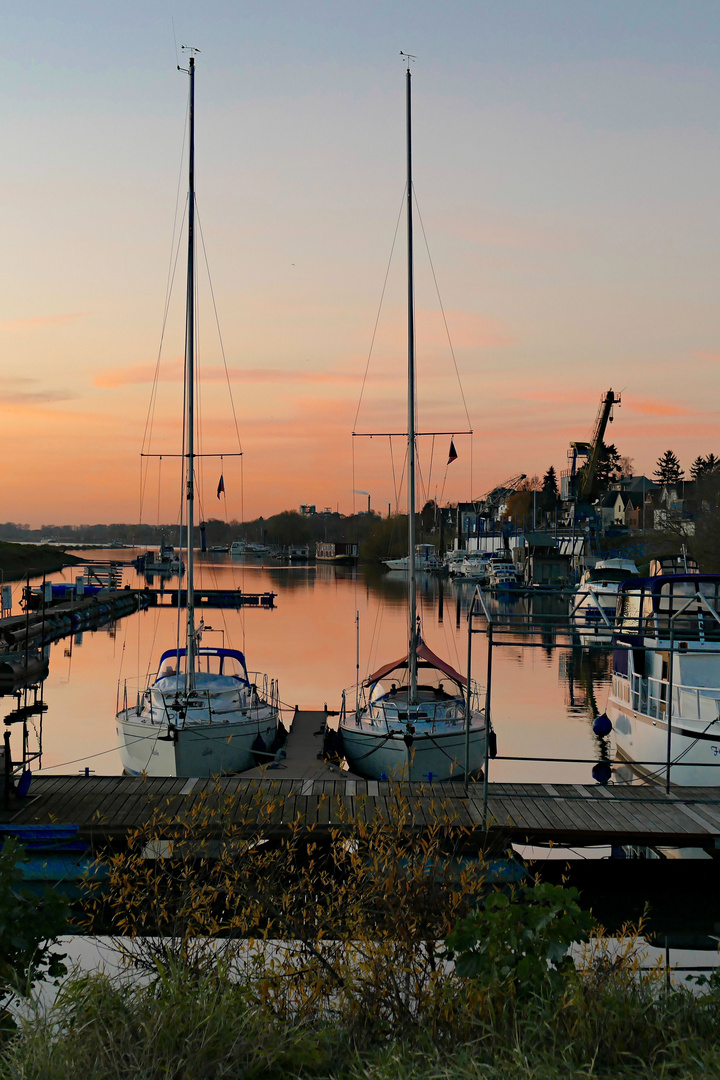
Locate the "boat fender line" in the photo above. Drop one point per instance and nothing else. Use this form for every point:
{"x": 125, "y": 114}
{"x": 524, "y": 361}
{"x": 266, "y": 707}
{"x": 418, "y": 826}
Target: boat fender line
{"x": 373, "y": 749}
{"x": 602, "y": 725}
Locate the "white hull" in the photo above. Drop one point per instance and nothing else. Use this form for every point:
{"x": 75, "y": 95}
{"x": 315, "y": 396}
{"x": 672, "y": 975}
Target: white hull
{"x": 435, "y": 756}
{"x": 200, "y": 750}
{"x": 643, "y": 740}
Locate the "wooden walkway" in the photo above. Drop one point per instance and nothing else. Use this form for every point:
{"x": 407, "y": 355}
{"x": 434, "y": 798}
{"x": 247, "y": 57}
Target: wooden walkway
{"x": 106, "y": 807}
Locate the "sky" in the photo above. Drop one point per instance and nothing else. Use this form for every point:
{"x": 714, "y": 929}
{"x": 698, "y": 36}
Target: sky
{"x": 566, "y": 163}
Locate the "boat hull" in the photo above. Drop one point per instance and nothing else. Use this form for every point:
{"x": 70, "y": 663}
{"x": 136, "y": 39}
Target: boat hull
{"x": 199, "y": 750}
{"x": 435, "y": 756}
{"x": 642, "y": 740}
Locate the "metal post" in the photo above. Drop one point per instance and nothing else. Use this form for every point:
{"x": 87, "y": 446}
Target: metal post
{"x": 468, "y": 696}
{"x": 488, "y": 695}
{"x": 668, "y": 712}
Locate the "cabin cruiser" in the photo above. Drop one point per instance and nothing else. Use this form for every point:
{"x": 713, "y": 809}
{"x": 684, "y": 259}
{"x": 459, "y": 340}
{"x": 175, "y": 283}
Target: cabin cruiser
{"x": 502, "y": 574}
{"x": 473, "y": 567}
{"x": 593, "y": 609}
{"x": 664, "y": 704}
{"x": 426, "y": 560}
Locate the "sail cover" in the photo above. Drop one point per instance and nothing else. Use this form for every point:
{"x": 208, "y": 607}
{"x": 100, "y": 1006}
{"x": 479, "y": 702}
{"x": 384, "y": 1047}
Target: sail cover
{"x": 431, "y": 660}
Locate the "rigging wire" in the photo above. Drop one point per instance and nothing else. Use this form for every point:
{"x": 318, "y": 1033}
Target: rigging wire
{"x": 442, "y": 309}
{"x": 382, "y": 297}
{"x": 220, "y": 337}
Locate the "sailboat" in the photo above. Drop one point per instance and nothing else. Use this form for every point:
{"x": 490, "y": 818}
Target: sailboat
{"x": 416, "y": 718}
{"x": 202, "y": 713}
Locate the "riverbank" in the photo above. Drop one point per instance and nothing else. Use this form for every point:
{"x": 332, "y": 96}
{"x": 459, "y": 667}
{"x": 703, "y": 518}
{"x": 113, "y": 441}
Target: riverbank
{"x": 18, "y": 560}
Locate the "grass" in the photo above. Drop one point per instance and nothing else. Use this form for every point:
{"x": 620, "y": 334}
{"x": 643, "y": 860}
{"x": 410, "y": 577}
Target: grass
{"x": 193, "y": 1025}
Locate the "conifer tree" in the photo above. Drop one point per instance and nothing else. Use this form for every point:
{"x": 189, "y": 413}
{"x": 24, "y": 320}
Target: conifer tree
{"x": 668, "y": 469}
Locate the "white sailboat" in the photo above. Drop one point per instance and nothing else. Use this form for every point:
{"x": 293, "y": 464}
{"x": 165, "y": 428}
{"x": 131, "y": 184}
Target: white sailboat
{"x": 426, "y": 730}
{"x": 202, "y": 713}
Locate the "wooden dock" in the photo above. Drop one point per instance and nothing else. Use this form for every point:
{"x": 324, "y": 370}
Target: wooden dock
{"x": 106, "y": 807}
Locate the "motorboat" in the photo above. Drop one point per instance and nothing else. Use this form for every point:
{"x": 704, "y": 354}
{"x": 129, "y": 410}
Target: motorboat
{"x": 415, "y": 718}
{"x": 238, "y": 547}
{"x": 426, "y": 560}
{"x": 664, "y": 702}
{"x": 502, "y": 574}
{"x": 593, "y": 608}
{"x": 474, "y": 567}
{"x": 202, "y": 713}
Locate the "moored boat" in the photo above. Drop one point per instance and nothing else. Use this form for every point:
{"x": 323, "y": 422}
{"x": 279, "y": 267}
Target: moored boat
{"x": 201, "y": 713}
{"x": 417, "y": 728}
{"x": 593, "y": 608}
{"x": 664, "y": 704}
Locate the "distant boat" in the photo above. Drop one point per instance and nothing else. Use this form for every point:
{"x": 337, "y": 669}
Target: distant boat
{"x": 202, "y": 713}
{"x": 414, "y": 718}
{"x": 593, "y": 610}
{"x": 220, "y": 549}
{"x": 426, "y": 560}
{"x": 338, "y": 551}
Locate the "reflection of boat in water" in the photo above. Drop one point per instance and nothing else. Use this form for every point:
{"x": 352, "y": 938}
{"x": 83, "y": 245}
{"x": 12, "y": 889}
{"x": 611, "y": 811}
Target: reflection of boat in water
{"x": 593, "y": 609}
{"x": 422, "y": 730}
{"x": 664, "y": 704}
{"x": 203, "y": 713}
{"x": 426, "y": 560}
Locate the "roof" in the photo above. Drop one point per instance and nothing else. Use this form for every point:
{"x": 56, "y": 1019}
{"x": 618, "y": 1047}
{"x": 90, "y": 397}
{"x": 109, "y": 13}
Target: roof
{"x": 423, "y": 654}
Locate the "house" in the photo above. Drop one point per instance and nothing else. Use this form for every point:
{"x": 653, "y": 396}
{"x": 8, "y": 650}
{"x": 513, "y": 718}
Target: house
{"x": 612, "y": 507}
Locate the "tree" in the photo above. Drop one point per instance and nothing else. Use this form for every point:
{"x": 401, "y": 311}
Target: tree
{"x": 626, "y": 465}
{"x": 668, "y": 469}
{"x": 550, "y": 485}
{"x": 704, "y": 466}
{"x": 608, "y": 469}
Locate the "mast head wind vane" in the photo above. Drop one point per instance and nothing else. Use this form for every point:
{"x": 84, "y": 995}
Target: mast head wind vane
{"x": 193, "y": 50}
{"x": 408, "y": 58}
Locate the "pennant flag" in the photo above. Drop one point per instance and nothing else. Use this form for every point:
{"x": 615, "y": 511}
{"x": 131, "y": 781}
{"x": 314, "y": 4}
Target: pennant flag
{"x": 453, "y": 453}
{"x": 221, "y": 486}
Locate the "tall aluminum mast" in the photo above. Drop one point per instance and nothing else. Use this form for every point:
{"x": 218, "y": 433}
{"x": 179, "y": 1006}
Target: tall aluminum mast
{"x": 190, "y": 393}
{"x": 412, "y": 656}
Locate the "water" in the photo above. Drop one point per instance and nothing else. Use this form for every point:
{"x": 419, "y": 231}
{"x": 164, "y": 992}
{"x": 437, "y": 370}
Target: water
{"x": 544, "y": 700}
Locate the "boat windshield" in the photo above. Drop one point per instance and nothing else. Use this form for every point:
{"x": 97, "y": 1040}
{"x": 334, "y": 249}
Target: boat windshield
{"x": 609, "y": 574}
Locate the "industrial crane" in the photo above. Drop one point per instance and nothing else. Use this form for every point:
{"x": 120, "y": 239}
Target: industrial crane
{"x": 591, "y": 450}
{"x": 496, "y": 495}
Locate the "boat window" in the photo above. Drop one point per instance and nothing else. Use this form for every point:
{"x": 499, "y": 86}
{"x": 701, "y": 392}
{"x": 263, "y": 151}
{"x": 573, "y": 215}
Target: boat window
{"x": 610, "y": 574}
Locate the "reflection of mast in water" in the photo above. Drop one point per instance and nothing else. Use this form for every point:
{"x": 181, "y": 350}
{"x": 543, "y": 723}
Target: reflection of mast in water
{"x": 582, "y": 671}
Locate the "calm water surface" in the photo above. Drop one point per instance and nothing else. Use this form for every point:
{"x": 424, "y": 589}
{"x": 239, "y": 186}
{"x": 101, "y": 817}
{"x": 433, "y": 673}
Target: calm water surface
{"x": 544, "y": 700}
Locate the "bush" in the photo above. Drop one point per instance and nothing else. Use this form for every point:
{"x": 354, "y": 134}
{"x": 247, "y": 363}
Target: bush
{"x": 29, "y": 927}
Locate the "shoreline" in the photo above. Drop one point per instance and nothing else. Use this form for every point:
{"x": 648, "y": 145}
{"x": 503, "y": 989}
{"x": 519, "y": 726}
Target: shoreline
{"x": 19, "y": 560}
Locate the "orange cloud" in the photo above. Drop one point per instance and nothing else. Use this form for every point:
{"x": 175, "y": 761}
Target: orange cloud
{"x": 41, "y": 320}
{"x": 707, "y": 355}
{"x": 173, "y": 372}
{"x": 652, "y": 407}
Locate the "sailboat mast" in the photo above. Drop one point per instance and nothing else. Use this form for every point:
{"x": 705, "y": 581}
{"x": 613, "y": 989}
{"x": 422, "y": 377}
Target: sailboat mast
{"x": 190, "y": 393}
{"x": 412, "y": 599}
